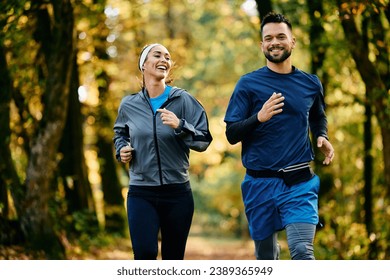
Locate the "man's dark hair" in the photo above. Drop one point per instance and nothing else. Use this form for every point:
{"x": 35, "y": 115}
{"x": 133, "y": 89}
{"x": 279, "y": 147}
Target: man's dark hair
{"x": 276, "y": 18}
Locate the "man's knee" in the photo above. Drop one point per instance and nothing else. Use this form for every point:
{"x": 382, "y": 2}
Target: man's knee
{"x": 300, "y": 240}
{"x": 268, "y": 249}
{"x": 302, "y": 251}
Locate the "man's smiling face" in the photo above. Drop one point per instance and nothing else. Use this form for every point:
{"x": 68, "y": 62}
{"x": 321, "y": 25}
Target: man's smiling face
{"x": 277, "y": 42}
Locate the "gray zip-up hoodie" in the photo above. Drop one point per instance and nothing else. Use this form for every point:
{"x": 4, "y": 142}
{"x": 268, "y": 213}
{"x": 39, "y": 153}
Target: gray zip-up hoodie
{"x": 161, "y": 154}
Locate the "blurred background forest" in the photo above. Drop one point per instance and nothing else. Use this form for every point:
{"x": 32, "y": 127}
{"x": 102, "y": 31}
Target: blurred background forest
{"x": 66, "y": 64}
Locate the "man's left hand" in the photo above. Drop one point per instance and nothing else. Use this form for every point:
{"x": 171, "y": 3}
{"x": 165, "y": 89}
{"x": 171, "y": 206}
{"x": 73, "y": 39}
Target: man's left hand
{"x": 326, "y": 148}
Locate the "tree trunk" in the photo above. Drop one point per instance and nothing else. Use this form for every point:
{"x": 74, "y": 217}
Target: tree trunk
{"x": 36, "y": 220}
{"x": 368, "y": 169}
{"x": 263, "y": 7}
{"x": 372, "y": 77}
{"x": 376, "y": 76}
{"x": 9, "y": 179}
{"x": 73, "y": 167}
{"x": 368, "y": 159}
{"x": 316, "y": 33}
{"x": 114, "y": 210}
{"x": 115, "y": 218}
{"x": 6, "y": 165}
{"x": 110, "y": 183}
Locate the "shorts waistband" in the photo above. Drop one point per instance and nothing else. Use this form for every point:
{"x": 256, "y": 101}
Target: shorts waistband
{"x": 277, "y": 173}
{"x": 264, "y": 173}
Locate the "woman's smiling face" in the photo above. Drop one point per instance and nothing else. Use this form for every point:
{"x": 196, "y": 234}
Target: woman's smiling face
{"x": 158, "y": 62}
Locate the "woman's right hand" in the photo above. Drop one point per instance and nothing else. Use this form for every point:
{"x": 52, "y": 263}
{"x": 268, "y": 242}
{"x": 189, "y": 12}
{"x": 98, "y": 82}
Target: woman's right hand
{"x": 126, "y": 154}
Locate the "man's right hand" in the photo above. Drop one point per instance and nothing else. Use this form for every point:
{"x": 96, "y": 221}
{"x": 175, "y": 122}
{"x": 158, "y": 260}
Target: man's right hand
{"x": 271, "y": 107}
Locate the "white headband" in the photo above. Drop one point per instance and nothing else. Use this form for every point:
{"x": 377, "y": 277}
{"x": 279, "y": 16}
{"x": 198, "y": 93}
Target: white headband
{"x": 144, "y": 54}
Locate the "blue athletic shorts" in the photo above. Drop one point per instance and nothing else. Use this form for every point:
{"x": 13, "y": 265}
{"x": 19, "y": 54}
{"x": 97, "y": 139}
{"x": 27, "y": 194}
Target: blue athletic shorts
{"x": 270, "y": 205}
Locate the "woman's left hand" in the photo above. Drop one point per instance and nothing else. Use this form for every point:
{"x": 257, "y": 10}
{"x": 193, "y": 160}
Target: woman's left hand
{"x": 169, "y": 118}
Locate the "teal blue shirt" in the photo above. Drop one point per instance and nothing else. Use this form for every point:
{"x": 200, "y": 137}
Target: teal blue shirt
{"x": 159, "y": 100}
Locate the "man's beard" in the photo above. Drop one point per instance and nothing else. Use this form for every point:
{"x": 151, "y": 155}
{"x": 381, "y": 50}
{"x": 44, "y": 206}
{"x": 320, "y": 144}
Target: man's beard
{"x": 286, "y": 54}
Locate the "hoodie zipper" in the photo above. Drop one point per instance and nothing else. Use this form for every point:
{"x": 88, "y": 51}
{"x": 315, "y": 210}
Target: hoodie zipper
{"x": 157, "y": 148}
{"x": 155, "y": 133}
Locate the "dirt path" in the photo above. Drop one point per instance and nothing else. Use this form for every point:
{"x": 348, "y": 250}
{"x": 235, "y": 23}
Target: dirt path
{"x": 202, "y": 248}
{"x": 198, "y": 248}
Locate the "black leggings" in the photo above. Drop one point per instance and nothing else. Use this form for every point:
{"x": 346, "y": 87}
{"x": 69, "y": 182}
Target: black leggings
{"x": 168, "y": 208}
